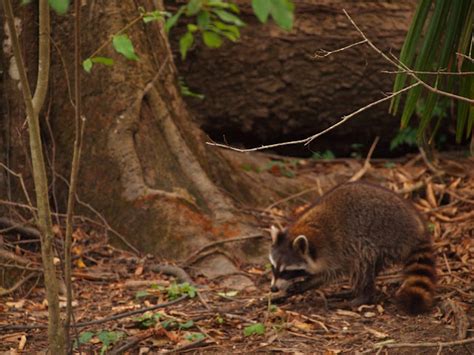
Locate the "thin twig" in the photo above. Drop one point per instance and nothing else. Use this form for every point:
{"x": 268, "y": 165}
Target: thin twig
{"x": 291, "y": 197}
{"x": 308, "y": 140}
{"x": 22, "y": 183}
{"x": 220, "y": 242}
{"x": 79, "y": 124}
{"x": 425, "y": 344}
{"x": 367, "y": 164}
{"x": 408, "y": 71}
{"x": 17, "y": 285}
{"x": 324, "y": 53}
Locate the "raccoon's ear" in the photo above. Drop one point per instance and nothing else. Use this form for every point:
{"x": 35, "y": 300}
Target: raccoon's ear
{"x": 301, "y": 244}
{"x": 274, "y": 233}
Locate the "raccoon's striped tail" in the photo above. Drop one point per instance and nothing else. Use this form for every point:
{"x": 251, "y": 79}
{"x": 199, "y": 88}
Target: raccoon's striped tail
{"x": 416, "y": 294}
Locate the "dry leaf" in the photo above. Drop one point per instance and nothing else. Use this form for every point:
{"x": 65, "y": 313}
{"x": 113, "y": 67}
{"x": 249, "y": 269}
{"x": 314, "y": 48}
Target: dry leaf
{"x": 430, "y": 196}
{"x": 22, "y": 343}
{"x": 301, "y": 325}
{"x": 139, "y": 270}
{"x": 80, "y": 263}
{"x": 376, "y": 333}
{"x": 18, "y": 305}
{"x": 255, "y": 271}
{"x": 342, "y": 312}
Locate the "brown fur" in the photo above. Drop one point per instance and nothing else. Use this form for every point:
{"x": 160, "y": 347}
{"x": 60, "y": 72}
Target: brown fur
{"x": 356, "y": 230}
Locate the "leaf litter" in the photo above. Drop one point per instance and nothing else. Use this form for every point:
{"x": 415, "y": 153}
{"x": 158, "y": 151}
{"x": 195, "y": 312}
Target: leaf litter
{"x": 108, "y": 281}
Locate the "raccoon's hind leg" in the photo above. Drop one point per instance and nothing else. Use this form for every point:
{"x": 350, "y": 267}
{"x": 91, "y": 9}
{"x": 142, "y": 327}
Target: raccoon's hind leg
{"x": 363, "y": 283}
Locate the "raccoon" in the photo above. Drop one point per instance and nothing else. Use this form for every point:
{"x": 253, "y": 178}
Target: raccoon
{"x": 356, "y": 230}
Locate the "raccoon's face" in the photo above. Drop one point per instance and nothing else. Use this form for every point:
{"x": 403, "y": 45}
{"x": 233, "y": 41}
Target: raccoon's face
{"x": 291, "y": 260}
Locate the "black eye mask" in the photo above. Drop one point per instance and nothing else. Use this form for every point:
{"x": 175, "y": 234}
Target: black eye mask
{"x": 293, "y": 274}
{"x": 289, "y": 274}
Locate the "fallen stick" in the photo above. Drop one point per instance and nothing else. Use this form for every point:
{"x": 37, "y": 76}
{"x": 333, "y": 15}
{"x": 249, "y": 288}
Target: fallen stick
{"x": 424, "y": 345}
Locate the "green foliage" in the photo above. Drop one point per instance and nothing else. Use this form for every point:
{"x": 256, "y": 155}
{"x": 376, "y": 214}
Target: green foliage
{"x": 194, "y": 337}
{"x": 106, "y": 337}
{"x": 439, "y": 30}
{"x": 215, "y": 20}
{"x": 123, "y": 45}
{"x": 177, "y": 290}
{"x": 60, "y": 6}
{"x": 280, "y": 10}
{"x": 148, "y": 320}
{"x": 84, "y": 338}
{"x": 218, "y": 19}
{"x": 88, "y": 63}
{"x": 151, "y": 16}
{"x": 326, "y": 155}
{"x": 356, "y": 150}
{"x": 254, "y": 329}
{"x": 405, "y": 136}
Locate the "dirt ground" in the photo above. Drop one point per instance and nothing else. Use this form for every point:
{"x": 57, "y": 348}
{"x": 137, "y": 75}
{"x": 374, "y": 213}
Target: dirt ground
{"x": 121, "y": 306}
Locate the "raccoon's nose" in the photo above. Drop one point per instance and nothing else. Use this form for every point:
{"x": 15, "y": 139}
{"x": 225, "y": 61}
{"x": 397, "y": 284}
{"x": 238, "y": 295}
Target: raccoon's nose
{"x": 274, "y": 288}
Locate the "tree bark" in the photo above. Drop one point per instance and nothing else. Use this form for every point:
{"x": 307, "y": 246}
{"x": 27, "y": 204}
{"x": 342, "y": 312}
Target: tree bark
{"x": 145, "y": 166}
{"x": 269, "y": 88}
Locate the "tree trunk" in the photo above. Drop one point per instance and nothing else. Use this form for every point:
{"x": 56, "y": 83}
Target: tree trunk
{"x": 269, "y": 88}
{"x": 145, "y": 166}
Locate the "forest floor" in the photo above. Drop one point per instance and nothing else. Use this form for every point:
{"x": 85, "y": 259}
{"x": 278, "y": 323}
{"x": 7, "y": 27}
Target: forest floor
{"x": 121, "y": 306}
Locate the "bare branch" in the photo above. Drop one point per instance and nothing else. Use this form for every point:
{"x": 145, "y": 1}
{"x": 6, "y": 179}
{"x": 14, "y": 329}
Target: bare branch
{"x": 308, "y": 140}
{"x": 324, "y": 53}
{"x": 17, "y": 285}
{"x": 402, "y": 66}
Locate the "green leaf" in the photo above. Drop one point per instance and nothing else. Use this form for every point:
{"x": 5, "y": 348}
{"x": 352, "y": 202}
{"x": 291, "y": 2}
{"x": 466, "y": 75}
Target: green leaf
{"x": 187, "y": 325}
{"x": 262, "y": 8}
{"x": 203, "y": 19}
{"x": 185, "y": 42}
{"x": 404, "y": 136}
{"x": 193, "y": 7}
{"x": 282, "y": 13}
{"x": 154, "y": 16}
{"x": 212, "y": 39}
{"x": 257, "y": 328}
{"x": 103, "y": 60}
{"x": 186, "y": 91}
{"x": 228, "y": 17}
{"x": 173, "y": 19}
{"x": 192, "y": 27}
{"x": 108, "y": 338}
{"x": 408, "y": 51}
{"x": 84, "y": 337}
{"x": 60, "y": 6}
{"x": 87, "y": 65}
{"x": 123, "y": 45}
{"x": 194, "y": 336}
